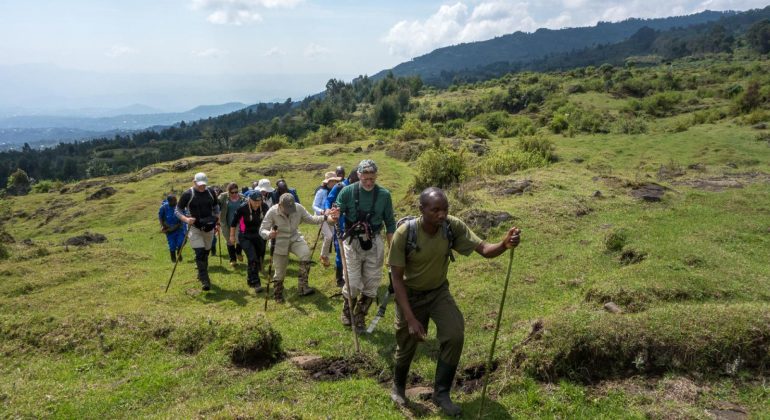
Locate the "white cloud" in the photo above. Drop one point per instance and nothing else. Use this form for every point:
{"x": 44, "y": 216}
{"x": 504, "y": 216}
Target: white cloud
{"x": 209, "y": 53}
{"x": 470, "y": 20}
{"x": 314, "y": 50}
{"x": 239, "y": 12}
{"x": 119, "y": 50}
{"x": 274, "y": 52}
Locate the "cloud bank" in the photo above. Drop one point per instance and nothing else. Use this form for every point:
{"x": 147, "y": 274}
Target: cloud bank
{"x": 239, "y": 12}
{"x": 468, "y": 21}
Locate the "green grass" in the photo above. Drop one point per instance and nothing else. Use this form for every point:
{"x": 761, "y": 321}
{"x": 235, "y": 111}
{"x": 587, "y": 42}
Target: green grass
{"x": 89, "y": 333}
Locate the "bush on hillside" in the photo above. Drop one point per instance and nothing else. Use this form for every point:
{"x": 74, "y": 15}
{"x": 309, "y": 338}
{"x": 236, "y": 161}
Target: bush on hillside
{"x": 45, "y": 186}
{"x": 252, "y": 343}
{"x": 505, "y": 162}
{"x": 450, "y": 128}
{"x": 538, "y": 145}
{"x": 519, "y": 126}
{"x": 273, "y": 143}
{"x": 478, "y": 132}
{"x": 414, "y": 129}
{"x": 661, "y": 104}
{"x": 439, "y": 167}
{"x": 18, "y": 183}
{"x": 629, "y": 124}
{"x": 338, "y": 132}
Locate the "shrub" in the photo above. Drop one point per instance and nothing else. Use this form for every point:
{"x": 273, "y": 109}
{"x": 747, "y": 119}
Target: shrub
{"x": 629, "y": 125}
{"x": 615, "y": 240}
{"x": 273, "y": 143}
{"x": 451, "y": 128}
{"x": 439, "y": 167}
{"x": 505, "y": 162}
{"x": 45, "y": 186}
{"x": 413, "y": 129}
{"x": 494, "y": 121}
{"x": 661, "y": 104}
{"x": 478, "y": 131}
{"x": 538, "y": 145}
{"x": 520, "y": 126}
{"x": 338, "y": 132}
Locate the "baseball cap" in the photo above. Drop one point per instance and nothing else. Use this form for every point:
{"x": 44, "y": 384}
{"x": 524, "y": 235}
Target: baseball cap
{"x": 287, "y": 202}
{"x": 201, "y": 179}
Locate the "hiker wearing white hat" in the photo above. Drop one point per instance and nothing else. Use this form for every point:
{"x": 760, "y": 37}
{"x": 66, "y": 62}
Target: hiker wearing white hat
{"x": 264, "y": 187}
{"x": 330, "y": 179}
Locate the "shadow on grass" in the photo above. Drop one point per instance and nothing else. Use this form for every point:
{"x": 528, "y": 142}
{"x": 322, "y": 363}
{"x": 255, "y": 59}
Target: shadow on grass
{"x": 218, "y": 294}
{"x": 492, "y": 409}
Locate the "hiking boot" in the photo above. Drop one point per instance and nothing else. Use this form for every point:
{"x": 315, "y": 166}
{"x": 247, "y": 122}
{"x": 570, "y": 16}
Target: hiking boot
{"x": 325, "y": 261}
{"x": 258, "y": 289}
{"x": 398, "y": 391}
{"x": 360, "y": 311}
{"x": 179, "y": 255}
{"x": 445, "y": 375}
{"x": 173, "y": 256}
{"x": 240, "y": 257}
{"x": 233, "y": 264}
{"x": 213, "y": 252}
{"x": 340, "y": 279}
{"x": 345, "y": 318}
{"x": 278, "y": 291}
{"x": 304, "y": 271}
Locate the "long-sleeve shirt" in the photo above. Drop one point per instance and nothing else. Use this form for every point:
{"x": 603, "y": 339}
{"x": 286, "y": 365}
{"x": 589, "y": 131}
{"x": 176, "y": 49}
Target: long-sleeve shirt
{"x": 287, "y": 226}
{"x": 201, "y": 204}
{"x": 320, "y": 200}
{"x": 252, "y": 219}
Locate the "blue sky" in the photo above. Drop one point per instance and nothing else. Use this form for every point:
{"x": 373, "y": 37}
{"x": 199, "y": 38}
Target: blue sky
{"x": 179, "y": 53}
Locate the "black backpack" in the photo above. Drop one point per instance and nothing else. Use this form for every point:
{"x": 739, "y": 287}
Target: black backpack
{"x": 207, "y": 224}
{"x": 411, "y": 236}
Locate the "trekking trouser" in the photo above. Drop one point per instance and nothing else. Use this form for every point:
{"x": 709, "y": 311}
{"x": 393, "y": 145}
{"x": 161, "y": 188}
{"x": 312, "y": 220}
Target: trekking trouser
{"x": 202, "y": 264}
{"x": 280, "y": 262}
{"x": 251, "y": 246}
{"x": 364, "y": 267}
{"x": 234, "y": 250}
{"x": 175, "y": 239}
{"x": 201, "y": 239}
{"x": 438, "y": 305}
{"x": 328, "y": 234}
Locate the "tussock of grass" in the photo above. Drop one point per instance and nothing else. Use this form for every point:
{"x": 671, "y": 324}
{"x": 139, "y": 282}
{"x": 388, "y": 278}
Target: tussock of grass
{"x": 707, "y": 338}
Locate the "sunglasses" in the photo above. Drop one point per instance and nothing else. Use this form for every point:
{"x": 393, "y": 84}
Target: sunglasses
{"x": 234, "y": 192}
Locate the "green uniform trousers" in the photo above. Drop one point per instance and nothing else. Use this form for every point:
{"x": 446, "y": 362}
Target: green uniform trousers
{"x": 438, "y": 305}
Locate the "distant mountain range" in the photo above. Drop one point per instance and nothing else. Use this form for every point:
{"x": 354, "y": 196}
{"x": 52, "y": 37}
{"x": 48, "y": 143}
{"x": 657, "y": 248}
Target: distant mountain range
{"x": 44, "y": 129}
{"x": 522, "y": 48}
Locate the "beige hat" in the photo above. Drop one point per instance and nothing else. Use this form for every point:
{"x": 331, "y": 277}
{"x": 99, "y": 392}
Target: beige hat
{"x": 287, "y": 203}
{"x": 331, "y": 176}
{"x": 264, "y": 185}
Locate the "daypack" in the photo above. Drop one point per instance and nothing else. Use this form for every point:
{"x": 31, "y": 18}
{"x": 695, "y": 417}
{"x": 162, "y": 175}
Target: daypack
{"x": 411, "y": 236}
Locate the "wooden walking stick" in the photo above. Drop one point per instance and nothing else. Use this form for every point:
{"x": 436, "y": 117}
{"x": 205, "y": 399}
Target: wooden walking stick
{"x": 178, "y": 254}
{"x": 494, "y": 339}
{"x": 219, "y": 244}
{"x": 341, "y": 240}
{"x": 270, "y": 268}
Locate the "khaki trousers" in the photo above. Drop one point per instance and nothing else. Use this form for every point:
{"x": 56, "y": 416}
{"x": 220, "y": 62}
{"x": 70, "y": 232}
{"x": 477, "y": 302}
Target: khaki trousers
{"x": 364, "y": 267}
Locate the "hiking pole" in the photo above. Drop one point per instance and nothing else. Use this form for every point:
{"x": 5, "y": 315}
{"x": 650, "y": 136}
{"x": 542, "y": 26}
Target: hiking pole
{"x": 270, "y": 268}
{"x": 494, "y": 339}
{"x": 219, "y": 244}
{"x": 383, "y": 305}
{"x": 317, "y": 237}
{"x": 347, "y": 283}
{"x": 179, "y": 253}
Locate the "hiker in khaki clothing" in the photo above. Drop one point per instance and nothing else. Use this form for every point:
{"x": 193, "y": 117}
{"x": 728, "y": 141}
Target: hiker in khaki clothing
{"x": 287, "y": 215}
{"x": 422, "y": 290}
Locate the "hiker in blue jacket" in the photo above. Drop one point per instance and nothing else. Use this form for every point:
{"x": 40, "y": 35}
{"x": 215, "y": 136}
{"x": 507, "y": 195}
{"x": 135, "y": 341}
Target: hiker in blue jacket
{"x": 174, "y": 229}
{"x": 330, "y": 199}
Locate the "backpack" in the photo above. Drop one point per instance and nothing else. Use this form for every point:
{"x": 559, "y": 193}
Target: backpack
{"x": 411, "y": 236}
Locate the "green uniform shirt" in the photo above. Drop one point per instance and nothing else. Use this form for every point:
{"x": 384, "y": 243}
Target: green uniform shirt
{"x": 383, "y": 211}
{"x": 426, "y": 268}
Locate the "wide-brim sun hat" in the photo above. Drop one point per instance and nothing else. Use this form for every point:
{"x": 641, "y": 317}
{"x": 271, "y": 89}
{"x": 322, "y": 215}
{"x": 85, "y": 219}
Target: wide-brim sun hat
{"x": 264, "y": 185}
{"x": 331, "y": 176}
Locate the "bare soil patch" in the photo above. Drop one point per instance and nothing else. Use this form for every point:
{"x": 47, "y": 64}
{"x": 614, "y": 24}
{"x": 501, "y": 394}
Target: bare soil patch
{"x": 335, "y": 368}
{"x": 727, "y": 181}
{"x": 102, "y": 193}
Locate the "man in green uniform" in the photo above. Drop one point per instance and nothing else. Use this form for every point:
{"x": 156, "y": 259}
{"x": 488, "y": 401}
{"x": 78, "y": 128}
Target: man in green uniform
{"x": 419, "y": 261}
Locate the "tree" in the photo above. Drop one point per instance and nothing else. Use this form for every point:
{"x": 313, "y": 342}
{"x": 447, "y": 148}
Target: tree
{"x": 758, "y": 36}
{"x": 386, "y": 114}
{"x": 18, "y": 183}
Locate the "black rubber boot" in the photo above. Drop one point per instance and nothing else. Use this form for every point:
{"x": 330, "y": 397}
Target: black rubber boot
{"x": 398, "y": 392}
{"x": 202, "y": 264}
{"x": 173, "y": 256}
{"x": 445, "y": 376}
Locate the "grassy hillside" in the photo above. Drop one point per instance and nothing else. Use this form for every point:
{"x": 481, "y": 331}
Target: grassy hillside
{"x": 88, "y": 332}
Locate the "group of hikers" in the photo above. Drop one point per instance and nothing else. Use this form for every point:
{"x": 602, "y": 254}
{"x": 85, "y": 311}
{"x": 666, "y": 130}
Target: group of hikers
{"x": 353, "y": 211}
